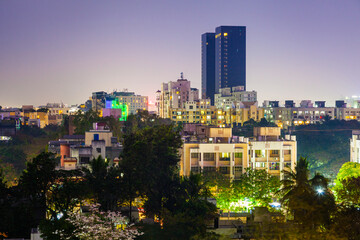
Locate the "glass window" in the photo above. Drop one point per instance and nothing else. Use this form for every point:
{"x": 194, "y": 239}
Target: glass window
{"x": 225, "y": 156}
{"x": 209, "y": 156}
{"x": 238, "y": 155}
{"x": 274, "y": 166}
{"x": 194, "y": 155}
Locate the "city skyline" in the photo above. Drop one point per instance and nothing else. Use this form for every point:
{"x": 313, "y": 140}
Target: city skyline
{"x": 64, "y": 51}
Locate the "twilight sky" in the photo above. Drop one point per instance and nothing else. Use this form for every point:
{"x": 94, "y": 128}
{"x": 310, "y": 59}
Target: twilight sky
{"x": 53, "y": 51}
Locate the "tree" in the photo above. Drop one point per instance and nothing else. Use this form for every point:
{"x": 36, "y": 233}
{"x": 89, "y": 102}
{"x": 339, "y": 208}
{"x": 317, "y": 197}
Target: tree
{"x": 309, "y": 201}
{"x": 37, "y": 179}
{"x": 103, "y": 183}
{"x": 347, "y": 183}
{"x": 98, "y": 225}
{"x": 83, "y": 121}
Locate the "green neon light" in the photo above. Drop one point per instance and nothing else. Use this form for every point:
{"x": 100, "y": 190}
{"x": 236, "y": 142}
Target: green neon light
{"x": 115, "y": 104}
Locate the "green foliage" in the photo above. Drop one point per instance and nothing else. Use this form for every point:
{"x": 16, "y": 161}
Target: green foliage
{"x": 254, "y": 188}
{"x": 326, "y": 145}
{"x": 309, "y": 201}
{"x": 84, "y": 121}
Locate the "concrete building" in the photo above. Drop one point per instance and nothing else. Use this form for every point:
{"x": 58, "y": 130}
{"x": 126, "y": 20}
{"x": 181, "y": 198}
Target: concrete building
{"x": 228, "y": 155}
{"x": 229, "y": 97}
{"x": 202, "y": 112}
{"x": 290, "y": 115}
{"x": 78, "y": 150}
{"x": 173, "y": 95}
{"x": 355, "y": 147}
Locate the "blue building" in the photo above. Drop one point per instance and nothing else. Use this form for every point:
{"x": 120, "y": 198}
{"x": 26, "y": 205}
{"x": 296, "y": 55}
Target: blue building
{"x": 227, "y": 66}
{"x": 208, "y": 66}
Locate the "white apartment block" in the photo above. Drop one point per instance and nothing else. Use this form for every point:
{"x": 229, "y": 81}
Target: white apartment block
{"x": 230, "y": 156}
{"x": 355, "y": 147}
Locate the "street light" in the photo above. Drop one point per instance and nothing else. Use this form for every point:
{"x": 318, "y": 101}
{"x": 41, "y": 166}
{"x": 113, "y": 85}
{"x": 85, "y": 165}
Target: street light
{"x": 320, "y": 191}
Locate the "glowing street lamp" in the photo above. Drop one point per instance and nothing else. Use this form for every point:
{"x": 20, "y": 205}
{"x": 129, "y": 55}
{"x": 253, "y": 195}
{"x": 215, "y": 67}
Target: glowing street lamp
{"x": 320, "y": 191}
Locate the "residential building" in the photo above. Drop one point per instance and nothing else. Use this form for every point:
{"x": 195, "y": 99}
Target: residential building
{"x": 173, "y": 95}
{"x": 221, "y": 152}
{"x": 202, "y": 112}
{"x": 290, "y": 115}
{"x": 229, "y": 97}
{"x": 355, "y": 147}
{"x": 78, "y": 150}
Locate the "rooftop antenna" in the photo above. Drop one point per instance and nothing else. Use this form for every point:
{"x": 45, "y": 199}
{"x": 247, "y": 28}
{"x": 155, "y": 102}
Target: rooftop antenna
{"x": 182, "y": 75}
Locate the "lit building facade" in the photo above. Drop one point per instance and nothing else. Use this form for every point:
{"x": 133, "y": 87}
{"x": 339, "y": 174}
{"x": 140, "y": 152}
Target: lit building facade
{"x": 223, "y": 59}
{"x": 208, "y": 66}
{"x": 173, "y": 95}
{"x": 229, "y": 97}
{"x": 228, "y": 155}
{"x": 355, "y": 147}
{"x": 202, "y": 112}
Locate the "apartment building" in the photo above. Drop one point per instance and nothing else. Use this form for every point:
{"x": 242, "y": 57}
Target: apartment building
{"x": 355, "y": 147}
{"x": 230, "y": 155}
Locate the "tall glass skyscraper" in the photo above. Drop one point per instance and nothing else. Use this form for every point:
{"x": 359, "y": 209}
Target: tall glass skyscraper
{"x": 227, "y": 64}
{"x": 208, "y": 66}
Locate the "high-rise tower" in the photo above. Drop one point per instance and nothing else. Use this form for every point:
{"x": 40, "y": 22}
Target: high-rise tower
{"x": 227, "y": 66}
{"x": 208, "y": 66}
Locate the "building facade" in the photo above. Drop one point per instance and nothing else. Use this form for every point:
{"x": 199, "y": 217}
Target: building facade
{"x": 228, "y": 155}
{"x": 355, "y": 147}
{"x": 208, "y": 66}
{"x": 173, "y": 95}
{"x": 229, "y": 97}
{"x": 230, "y": 59}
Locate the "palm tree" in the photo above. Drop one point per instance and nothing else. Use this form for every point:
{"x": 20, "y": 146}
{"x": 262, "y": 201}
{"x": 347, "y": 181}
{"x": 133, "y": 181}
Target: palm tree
{"x": 309, "y": 201}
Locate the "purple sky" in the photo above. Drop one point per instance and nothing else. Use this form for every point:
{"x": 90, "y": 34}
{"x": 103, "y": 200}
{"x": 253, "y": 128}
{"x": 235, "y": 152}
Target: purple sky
{"x": 52, "y": 51}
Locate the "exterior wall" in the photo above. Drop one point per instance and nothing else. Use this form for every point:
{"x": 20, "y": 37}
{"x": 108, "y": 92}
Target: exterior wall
{"x": 195, "y": 112}
{"x": 105, "y": 135}
{"x": 134, "y": 102}
{"x": 273, "y": 156}
{"x": 230, "y": 57}
{"x": 194, "y": 158}
{"x": 173, "y": 95}
{"x": 355, "y": 148}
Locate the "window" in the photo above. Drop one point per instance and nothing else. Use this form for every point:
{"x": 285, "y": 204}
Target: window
{"x": 209, "y": 156}
{"x": 196, "y": 169}
{"x": 225, "y": 156}
{"x": 194, "y": 155}
{"x": 260, "y": 164}
{"x": 209, "y": 169}
{"x": 84, "y": 160}
{"x": 274, "y": 153}
{"x": 274, "y": 166}
{"x": 259, "y": 153}
{"x": 287, "y": 165}
{"x": 238, "y": 155}
{"x": 287, "y": 152}
{"x": 98, "y": 150}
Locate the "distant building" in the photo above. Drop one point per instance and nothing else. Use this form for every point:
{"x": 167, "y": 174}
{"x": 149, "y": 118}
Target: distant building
{"x": 355, "y": 147}
{"x": 227, "y": 67}
{"x": 173, "y": 95}
{"x": 229, "y": 97}
{"x": 78, "y": 150}
{"x": 128, "y": 102}
{"x": 220, "y": 152}
{"x": 208, "y": 66}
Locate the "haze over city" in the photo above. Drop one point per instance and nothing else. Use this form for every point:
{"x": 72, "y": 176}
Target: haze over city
{"x": 62, "y": 51}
